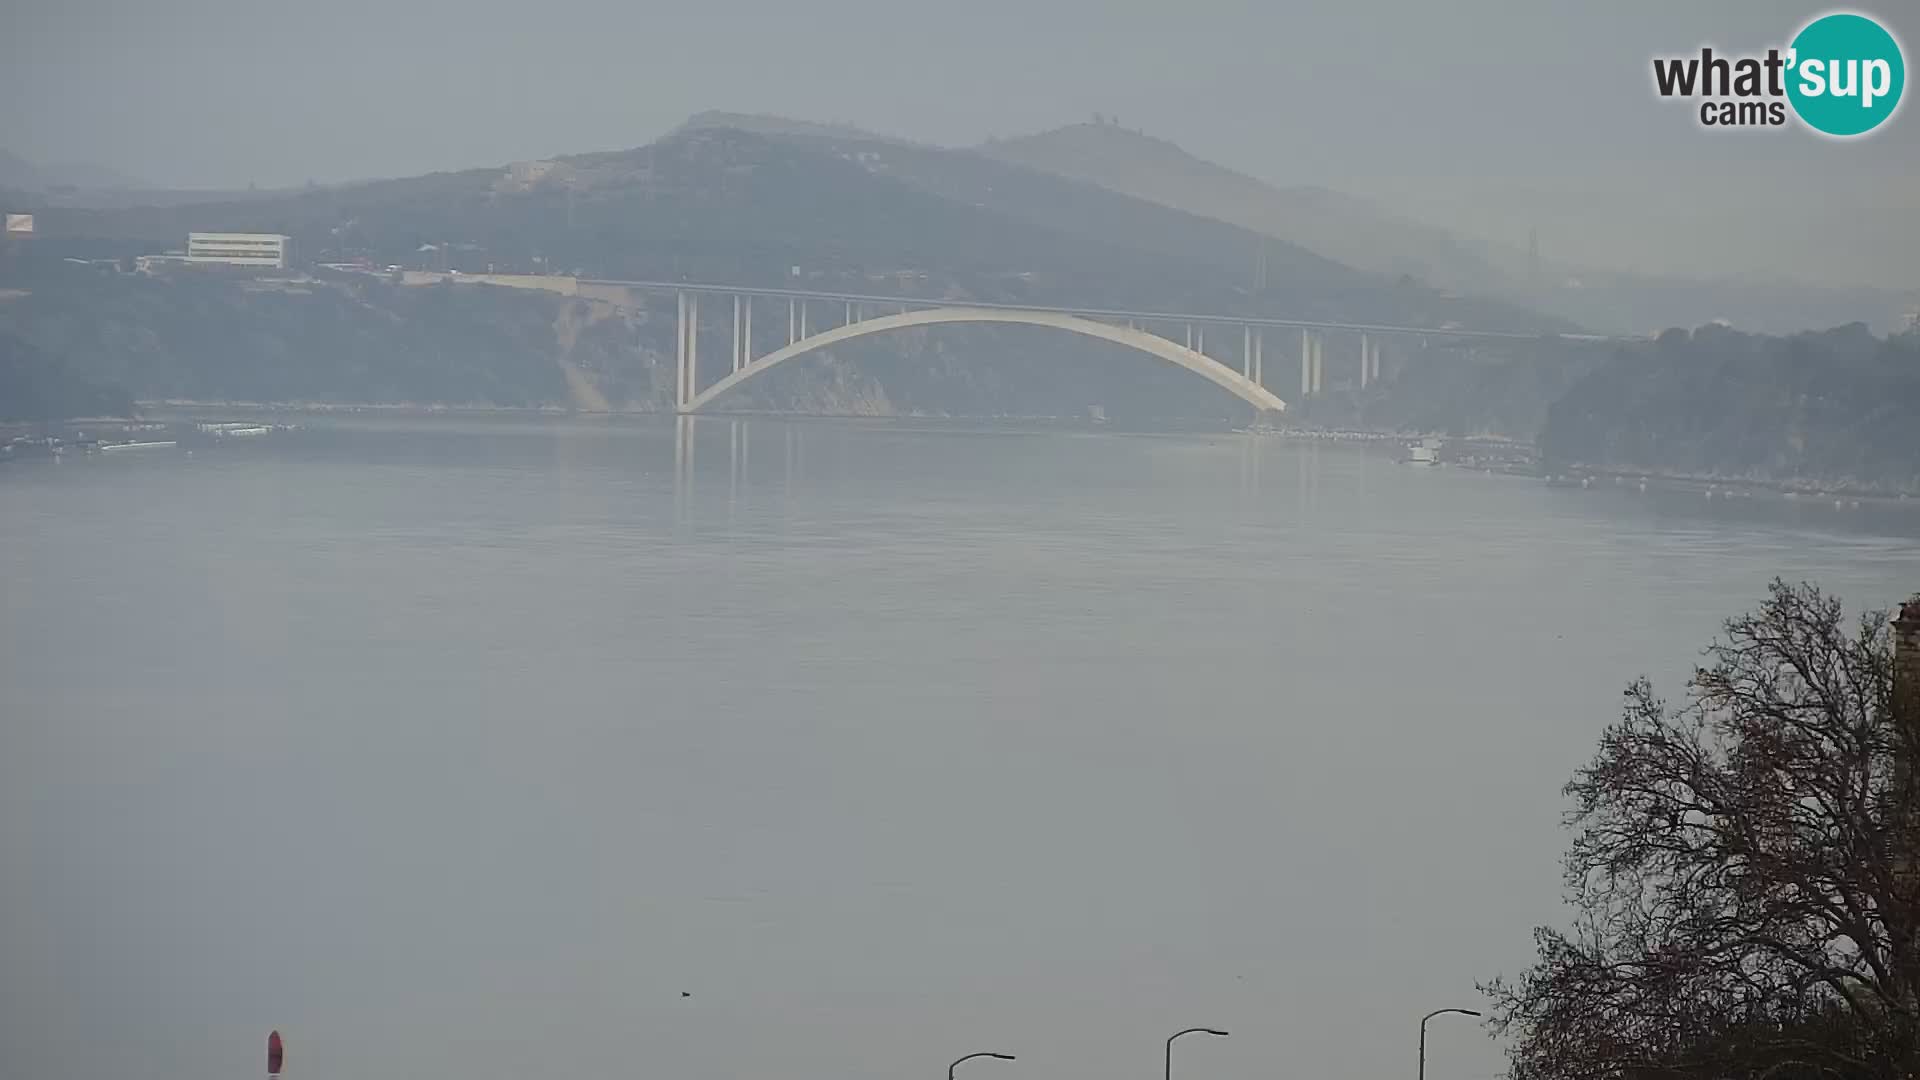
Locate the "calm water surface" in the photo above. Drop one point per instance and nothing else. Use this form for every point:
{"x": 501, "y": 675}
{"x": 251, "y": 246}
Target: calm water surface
{"x": 468, "y": 747}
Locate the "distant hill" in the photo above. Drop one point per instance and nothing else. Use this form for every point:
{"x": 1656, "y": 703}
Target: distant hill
{"x": 1369, "y": 236}
{"x": 19, "y": 174}
{"x": 767, "y": 124}
{"x": 722, "y": 204}
{"x": 836, "y": 212}
{"x": 1828, "y": 410}
{"x": 1341, "y": 227}
{"x": 838, "y": 209}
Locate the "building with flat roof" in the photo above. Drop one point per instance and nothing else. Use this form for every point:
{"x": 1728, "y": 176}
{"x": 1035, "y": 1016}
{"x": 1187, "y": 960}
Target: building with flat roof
{"x": 238, "y": 249}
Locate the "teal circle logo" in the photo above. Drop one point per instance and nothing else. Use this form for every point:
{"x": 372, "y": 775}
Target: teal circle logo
{"x": 1845, "y": 74}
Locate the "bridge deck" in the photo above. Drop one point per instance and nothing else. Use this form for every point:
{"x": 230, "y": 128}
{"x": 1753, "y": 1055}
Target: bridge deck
{"x": 918, "y": 302}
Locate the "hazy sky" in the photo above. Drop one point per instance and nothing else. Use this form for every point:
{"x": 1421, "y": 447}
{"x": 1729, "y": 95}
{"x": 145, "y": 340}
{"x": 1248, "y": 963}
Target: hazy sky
{"x": 1495, "y": 118}
{"x": 226, "y": 92}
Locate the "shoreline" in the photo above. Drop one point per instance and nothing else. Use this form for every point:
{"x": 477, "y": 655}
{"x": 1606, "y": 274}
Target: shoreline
{"x": 1709, "y": 485}
{"x": 1491, "y": 453}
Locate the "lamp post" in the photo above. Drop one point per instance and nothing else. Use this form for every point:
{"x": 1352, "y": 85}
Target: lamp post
{"x": 1177, "y": 1034}
{"x": 970, "y": 1057}
{"x": 1423, "y": 1033}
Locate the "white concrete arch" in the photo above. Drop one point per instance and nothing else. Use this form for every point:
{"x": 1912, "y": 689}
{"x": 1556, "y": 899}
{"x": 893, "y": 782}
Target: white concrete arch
{"x": 1208, "y": 368}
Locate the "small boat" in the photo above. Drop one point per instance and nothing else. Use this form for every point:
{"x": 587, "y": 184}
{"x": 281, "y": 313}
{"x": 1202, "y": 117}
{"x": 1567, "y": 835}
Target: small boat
{"x": 1420, "y": 454}
{"x": 35, "y": 450}
{"x": 107, "y": 448}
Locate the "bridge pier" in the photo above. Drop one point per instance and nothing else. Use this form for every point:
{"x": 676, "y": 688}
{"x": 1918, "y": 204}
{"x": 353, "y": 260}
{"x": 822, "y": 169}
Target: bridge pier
{"x": 686, "y": 380}
{"x": 1250, "y": 349}
{"x": 742, "y": 331}
{"x": 1366, "y": 360}
{"x": 735, "y": 343}
{"x": 1313, "y": 348}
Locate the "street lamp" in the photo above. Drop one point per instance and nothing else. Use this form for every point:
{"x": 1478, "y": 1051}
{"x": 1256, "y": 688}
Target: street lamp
{"x": 970, "y": 1057}
{"x": 1177, "y": 1034}
{"x": 1423, "y": 1033}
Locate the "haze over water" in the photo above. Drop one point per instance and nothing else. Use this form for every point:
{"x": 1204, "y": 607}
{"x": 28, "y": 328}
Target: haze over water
{"x": 467, "y": 747}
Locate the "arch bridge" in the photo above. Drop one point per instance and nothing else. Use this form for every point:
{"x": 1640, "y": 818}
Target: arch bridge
{"x": 816, "y": 320}
{"x": 852, "y": 316}
{"x": 1244, "y": 384}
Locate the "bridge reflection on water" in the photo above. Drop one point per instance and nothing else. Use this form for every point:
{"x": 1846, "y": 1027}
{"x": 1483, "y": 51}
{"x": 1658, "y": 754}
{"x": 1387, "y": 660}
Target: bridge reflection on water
{"x": 775, "y": 454}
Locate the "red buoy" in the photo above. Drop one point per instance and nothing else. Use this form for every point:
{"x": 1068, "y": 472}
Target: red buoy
{"x": 276, "y": 1054}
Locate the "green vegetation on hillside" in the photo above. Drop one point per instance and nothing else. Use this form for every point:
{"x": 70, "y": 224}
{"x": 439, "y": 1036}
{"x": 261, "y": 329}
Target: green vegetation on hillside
{"x": 204, "y": 337}
{"x": 1500, "y": 388}
{"x": 37, "y": 386}
{"x": 1834, "y": 409}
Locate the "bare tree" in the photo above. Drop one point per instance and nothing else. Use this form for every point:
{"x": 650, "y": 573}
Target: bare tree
{"x": 1743, "y": 867}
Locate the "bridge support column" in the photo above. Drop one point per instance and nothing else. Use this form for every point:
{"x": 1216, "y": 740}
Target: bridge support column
{"x": 746, "y": 350}
{"x": 792, "y": 325}
{"x": 1375, "y": 364}
{"x": 1259, "y": 373}
{"x": 1366, "y": 360}
{"x": 803, "y": 320}
{"x": 1306, "y": 363}
{"x": 735, "y": 343}
{"x": 1319, "y": 363}
{"x": 693, "y": 347}
{"x": 1246, "y": 352}
{"x": 1201, "y": 348}
{"x": 1189, "y": 335}
{"x": 679, "y": 349}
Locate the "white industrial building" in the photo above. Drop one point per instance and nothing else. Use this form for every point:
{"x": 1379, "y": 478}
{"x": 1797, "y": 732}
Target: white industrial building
{"x": 238, "y": 249}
